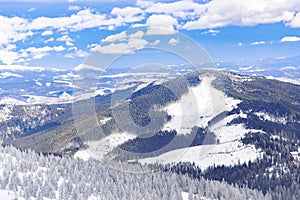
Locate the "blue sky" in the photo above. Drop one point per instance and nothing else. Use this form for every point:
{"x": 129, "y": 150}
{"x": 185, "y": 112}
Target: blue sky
{"x": 61, "y": 34}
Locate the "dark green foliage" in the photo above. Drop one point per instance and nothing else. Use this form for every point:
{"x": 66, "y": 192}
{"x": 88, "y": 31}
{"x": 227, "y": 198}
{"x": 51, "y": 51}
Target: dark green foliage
{"x": 164, "y": 141}
{"x": 277, "y": 172}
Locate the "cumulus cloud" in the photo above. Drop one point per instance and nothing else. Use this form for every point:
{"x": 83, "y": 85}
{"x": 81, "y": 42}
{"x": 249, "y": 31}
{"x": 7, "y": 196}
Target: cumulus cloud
{"x": 161, "y": 24}
{"x": 290, "y": 39}
{"x": 38, "y": 53}
{"x": 178, "y": 9}
{"x": 122, "y": 43}
{"x": 123, "y": 47}
{"x": 116, "y": 37}
{"x": 219, "y": 13}
{"x": 77, "y": 54}
{"x": 162, "y": 21}
{"x": 295, "y": 22}
{"x": 65, "y": 38}
{"x": 173, "y": 41}
{"x": 128, "y": 14}
{"x": 48, "y": 32}
{"x": 8, "y": 57}
{"x": 13, "y": 29}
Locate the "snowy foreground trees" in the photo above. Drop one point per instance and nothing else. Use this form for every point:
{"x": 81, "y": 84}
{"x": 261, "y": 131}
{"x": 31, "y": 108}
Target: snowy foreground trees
{"x": 27, "y": 175}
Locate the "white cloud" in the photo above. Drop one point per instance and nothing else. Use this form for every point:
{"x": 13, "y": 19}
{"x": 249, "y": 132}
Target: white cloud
{"x": 74, "y": 8}
{"x": 123, "y": 36}
{"x": 64, "y": 38}
{"x": 48, "y": 32}
{"x": 156, "y": 42}
{"x": 128, "y": 14}
{"x": 178, "y": 9}
{"x": 49, "y": 40}
{"x": 77, "y": 54}
{"x": 240, "y": 44}
{"x": 69, "y": 44}
{"x": 258, "y": 43}
{"x": 38, "y": 53}
{"x": 173, "y": 41}
{"x": 117, "y": 37}
{"x": 220, "y": 13}
{"x": 83, "y": 19}
{"x": 122, "y": 43}
{"x": 288, "y": 68}
{"x": 211, "y": 31}
{"x": 31, "y": 9}
{"x": 295, "y": 22}
{"x": 8, "y": 57}
{"x": 290, "y": 39}
{"x": 162, "y": 21}
{"x": 122, "y": 48}
{"x": 13, "y": 29}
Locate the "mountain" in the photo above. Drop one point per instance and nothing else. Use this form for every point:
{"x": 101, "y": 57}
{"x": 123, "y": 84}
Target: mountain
{"x": 211, "y": 124}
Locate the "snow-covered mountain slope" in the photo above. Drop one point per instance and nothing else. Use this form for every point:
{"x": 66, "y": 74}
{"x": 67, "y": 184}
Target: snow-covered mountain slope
{"x": 101, "y": 148}
{"x": 223, "y": 112}
{"x": 222, "y": 106}
{"x": 209, "y": 103}
{"x": 198, "y": 106}
{"x": 204, "y": 156}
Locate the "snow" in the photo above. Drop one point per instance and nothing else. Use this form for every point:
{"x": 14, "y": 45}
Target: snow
{"x": 5, "y": 194}
{"x": 5, "y": 113}
{"x": 48, "y": 84}
{"x": 34, "y": 99}
{"x": 10, "y": 74}
{"x": 229, "y": 150}
{"x": 227, "y": 154}
{"x": 285, "y": 79}
{"x": 99, "y": 149}
{"x": 196, "y": 108}
{"x": 65, "y": 97}
{"x": 11, "y": 101}
{"x": 39, "y": 83}
{"x": 271, "y": 118}
{"x": 104, "y": 120}
{"x": 185, "y": 196}
{"x": 88, "y": 67}
{"x": 20, "y": 68}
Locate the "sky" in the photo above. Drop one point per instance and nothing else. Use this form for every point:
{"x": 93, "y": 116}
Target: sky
{"x": 62, "y": 34}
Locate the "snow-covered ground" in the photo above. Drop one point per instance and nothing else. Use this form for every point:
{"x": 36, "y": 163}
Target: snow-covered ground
{"x": 11, "y": 101}
{"x": 5, "y": 113}
{"x": 197, "y": 107}
{"x": 285, "y": 79}
{"x": 227, "y": 154}
{"x": 185, "y": 196}
{"x": 99, "y": 149}
{"x": 271, "y": 118}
